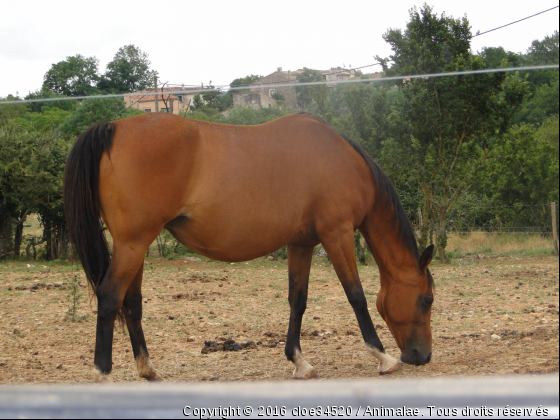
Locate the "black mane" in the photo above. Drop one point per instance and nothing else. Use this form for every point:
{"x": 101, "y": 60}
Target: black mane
{"x": 387, "y": 195}
{"x": 386, "y": 192}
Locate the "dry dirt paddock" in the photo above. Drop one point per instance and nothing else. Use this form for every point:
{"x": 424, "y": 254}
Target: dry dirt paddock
{"x": 190, "y": 301}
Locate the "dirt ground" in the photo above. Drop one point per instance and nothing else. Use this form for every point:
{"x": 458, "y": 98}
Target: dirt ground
{"x": 190, "y": 301}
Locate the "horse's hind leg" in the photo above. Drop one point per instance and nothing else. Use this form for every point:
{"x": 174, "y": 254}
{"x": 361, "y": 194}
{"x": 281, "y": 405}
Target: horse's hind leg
{"x": 339, "y": 246}
{"x": 132, "y": 306}
{"x": 299, "y": 265}
{"x": 125, "y": 264}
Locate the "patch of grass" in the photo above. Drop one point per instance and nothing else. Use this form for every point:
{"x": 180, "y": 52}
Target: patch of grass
{"x": 74, "y": 299}
{"x": 539, "y": 252}
{"x": 316, "y": 299}
{"x": 452, "y": 255}
{"x": 499, "y": 244}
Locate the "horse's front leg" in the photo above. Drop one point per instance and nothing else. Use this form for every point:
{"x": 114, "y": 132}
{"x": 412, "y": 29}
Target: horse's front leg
{"x": 340, "y": 248}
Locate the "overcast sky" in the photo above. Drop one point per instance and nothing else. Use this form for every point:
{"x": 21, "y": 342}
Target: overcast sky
{"x": 195, "y": 42}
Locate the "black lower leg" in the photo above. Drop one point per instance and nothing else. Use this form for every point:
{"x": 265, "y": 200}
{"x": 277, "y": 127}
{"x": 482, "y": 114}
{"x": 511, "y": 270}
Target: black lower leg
{"x": 298, "y": 305}
{"x": 133, "y": 314}
{"x": 299, "y": 266}
{"x": 359, "y": 303}
{"x": 107, "y": 312}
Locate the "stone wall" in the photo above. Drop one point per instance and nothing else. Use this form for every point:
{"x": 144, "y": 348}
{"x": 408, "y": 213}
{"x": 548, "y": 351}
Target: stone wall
{"x": 255, "y": 100}
{"x": 278, "y": 78}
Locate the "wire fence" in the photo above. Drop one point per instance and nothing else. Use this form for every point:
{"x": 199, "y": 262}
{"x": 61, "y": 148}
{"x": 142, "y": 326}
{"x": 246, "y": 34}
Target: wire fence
{"x": 520, "y": 219}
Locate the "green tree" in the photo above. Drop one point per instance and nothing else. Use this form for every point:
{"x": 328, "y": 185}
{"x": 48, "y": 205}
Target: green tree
{"x": 542, "y": 52}
{"x": 428, "y": 45}
{"x": 44, "y": 93}
{"x": 93, "y": 111}
{"x": 522, "y": 170}
{"x": 31, "y": 165}
{"x": 244, "y": 81}
{"x": 496, "y": 57}
{"x": 368, "y": 107}
{"x": 8, "y": 112}
{"x": 278, "y": 96}
{"x": 250, "y": 116}
{"x": 203, "y": 113}
{"x": 11, "y": 178}
{"x": 216, "y": 99}
{"x": 47, "y": 166}
{"x": 45, "y": 122}
{"x": 305, "y": 94}
{"x": 75, "y": 76}
{"x": 129, "y": 71}
{"x": 542, "y": 103}
{"x": 543, "y": 85}
{"x": 548, "y": 132}
{"x": 545, "y": 51}
{"x": 448, "y": 122}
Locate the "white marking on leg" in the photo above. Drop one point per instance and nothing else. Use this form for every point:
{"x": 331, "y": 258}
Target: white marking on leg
{"x": 145, "y": 368}
{"x": 387, "y": 364}
{"x": 303, "y": 369}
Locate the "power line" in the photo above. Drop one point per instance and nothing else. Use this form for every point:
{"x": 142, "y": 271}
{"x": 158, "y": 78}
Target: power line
{"x": 517, "y": 21}
{"x": 331, "y": 83}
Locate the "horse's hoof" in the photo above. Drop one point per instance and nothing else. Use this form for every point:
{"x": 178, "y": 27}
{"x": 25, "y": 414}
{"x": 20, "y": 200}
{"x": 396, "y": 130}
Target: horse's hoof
{"x": 389, "y": 370}
{"x": 310, "y": 374}
{"x": 154, "y": 378}
{"x": 100, "y": 378}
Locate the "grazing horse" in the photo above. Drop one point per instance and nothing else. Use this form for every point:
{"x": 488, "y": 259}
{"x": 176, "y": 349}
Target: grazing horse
{"x": 235, "y": 193}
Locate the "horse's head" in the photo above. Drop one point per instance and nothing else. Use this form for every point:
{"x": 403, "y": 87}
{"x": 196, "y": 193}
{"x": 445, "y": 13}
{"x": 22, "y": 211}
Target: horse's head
{"x": 406, "y": 306}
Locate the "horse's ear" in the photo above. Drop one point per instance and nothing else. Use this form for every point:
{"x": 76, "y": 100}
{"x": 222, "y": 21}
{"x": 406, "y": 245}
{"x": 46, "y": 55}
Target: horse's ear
{"x": 426, "y": 258}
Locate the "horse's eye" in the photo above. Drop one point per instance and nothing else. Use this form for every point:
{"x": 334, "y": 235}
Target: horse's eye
{"x": 428, "y": 300}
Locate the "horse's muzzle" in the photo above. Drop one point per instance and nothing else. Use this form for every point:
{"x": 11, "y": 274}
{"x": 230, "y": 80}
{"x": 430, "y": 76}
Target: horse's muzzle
{"x": 416, "y": 358}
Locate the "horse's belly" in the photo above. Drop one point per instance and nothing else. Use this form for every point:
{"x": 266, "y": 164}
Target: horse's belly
{"x": 232, "y": 239}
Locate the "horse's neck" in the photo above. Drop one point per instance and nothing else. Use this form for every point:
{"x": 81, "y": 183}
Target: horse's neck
{"x": 383, "y": 236}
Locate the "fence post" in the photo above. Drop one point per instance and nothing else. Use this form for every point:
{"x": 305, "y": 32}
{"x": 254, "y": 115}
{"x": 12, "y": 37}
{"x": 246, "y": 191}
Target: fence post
{"x": 554, "y": 229}
{"x": 156, "y": 95}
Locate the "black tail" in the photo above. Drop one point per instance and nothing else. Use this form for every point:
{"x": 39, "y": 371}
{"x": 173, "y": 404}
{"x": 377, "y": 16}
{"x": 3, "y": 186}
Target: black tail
{"x": 81, "y": 201}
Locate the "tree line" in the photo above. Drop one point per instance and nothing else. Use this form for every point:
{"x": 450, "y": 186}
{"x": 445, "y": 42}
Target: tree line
{"x": 485, "y": 143}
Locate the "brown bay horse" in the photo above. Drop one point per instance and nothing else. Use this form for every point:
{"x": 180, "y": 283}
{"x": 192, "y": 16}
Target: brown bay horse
{"x": 235, "y": 193}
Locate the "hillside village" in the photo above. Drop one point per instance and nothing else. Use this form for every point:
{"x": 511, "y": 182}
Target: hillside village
{"x": 260, "y": 94}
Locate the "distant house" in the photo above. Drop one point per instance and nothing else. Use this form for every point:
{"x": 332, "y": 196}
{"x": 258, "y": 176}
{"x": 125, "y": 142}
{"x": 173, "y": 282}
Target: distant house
{"x": 338, "y": 74}
{"x": 262, "y": 91}
{"x": 255, "y": 100}
{"x": 173, "y": 104}
{"x": 263, "y": 97}
{"x": 276, "y": 81}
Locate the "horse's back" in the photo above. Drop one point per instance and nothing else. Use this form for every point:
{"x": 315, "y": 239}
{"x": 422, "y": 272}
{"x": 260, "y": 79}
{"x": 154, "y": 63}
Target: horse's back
{"x": 269, "y": 184}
